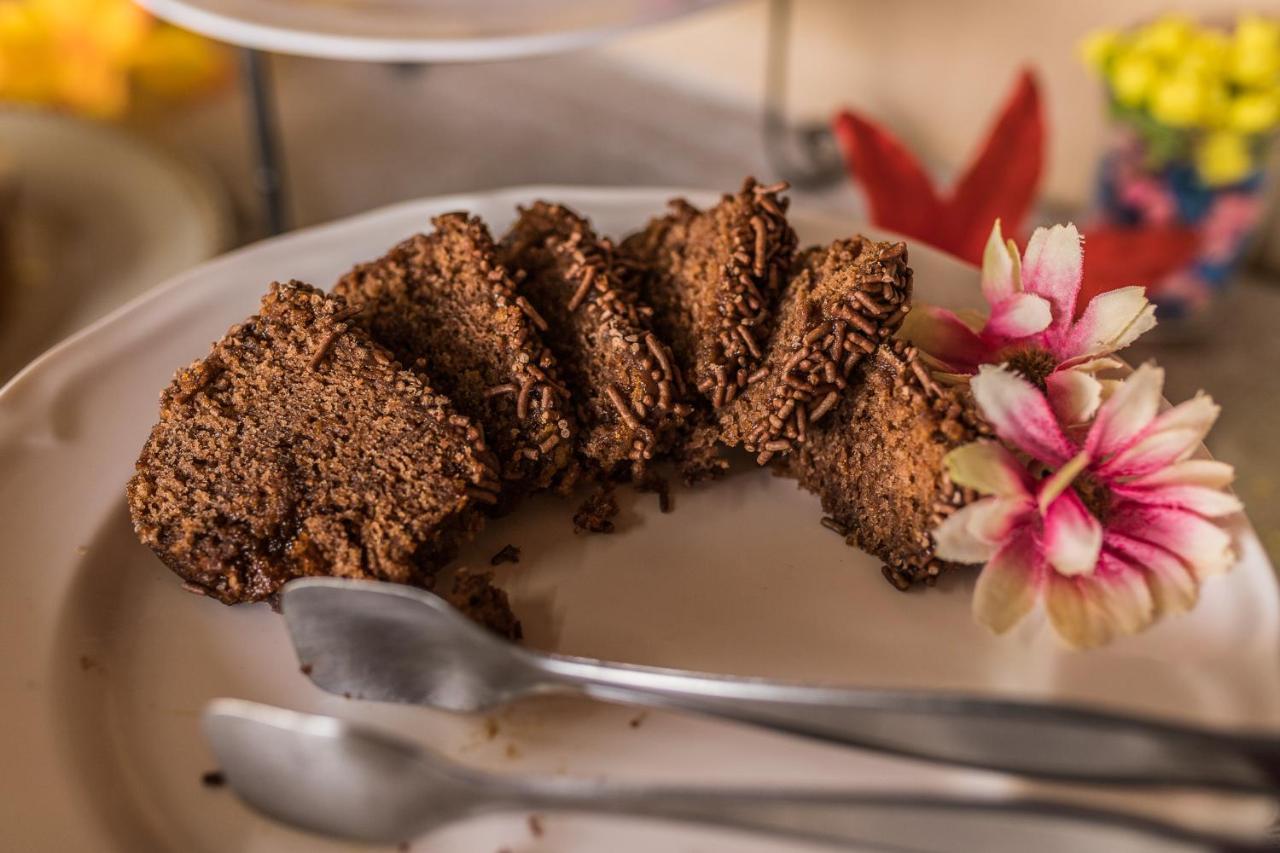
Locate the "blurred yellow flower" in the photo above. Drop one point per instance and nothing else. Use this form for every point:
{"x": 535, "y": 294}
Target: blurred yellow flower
{"x": 1223, "y": 158}
{"x": 1186, "y": 76}
{"x": 1132, "y": 77}
{"x": 87, "y": 55}
{"x": 1165, "y": 38}
{"x": 1098, "y": 48}
{"x": 1178, "y": 101}
{"x": 1254, "y": 112}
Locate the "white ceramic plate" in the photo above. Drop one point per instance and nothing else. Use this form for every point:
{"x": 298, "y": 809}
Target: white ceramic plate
{"x": 107, "y": 662}
{"x": 419, "y": 30}
{"x": 101, "y": 217}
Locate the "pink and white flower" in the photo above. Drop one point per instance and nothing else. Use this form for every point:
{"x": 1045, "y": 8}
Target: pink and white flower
{"x": 1034, "y": 326}
{"x": 1110, "y": 531}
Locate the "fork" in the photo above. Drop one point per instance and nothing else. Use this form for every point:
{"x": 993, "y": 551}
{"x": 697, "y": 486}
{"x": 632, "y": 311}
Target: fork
{"x": 330, "y": 777}
{"x": 394, "y": 643}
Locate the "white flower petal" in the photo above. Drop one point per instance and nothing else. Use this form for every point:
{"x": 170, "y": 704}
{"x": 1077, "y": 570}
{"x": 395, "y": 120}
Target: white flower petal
{"x": 1110, "y": 322}
{"x": 1000, "y": 273}
{"x": 963, "y": 537}
{"x": 1211, "y": 503}
{"x": 1007, "y": 586}
{"x": 1127, "y": 412}
{"x": 1119, "y": 591}
{"x": 1204, "y": 547}
{"x": 1191, "y": 472}
{"x": 1173, "y": 588}
{"x": 1020, "y": 414}
{"x": 1019, "y": 316}
{"x": 988, "y": 468}
{"x": 1072, "y": 536}
{"x": 1156, "y": 450}
{"x": 1053, "y": 267}
{"x": 1074, "y": 395}
{"x": 1078, "y": 623}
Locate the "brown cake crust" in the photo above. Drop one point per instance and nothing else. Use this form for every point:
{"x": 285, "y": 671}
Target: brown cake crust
{"x": 712, "y": 278}
{"x": 621, "y": 375}
{"x": 299, "y": 447}
{"x": 877, "y": 461}
{"x": 443, "y": 304}
{"x": 842, "y": 301}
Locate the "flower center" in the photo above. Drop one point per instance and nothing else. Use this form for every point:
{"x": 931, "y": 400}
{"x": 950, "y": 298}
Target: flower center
{"x": 1033, "y": 364}
{"x": 1095, "y": 496}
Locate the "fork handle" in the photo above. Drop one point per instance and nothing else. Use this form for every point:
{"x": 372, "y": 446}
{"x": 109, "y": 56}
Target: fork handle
{"x": 1033, "y": 739}
{"x": 902, "y": 824}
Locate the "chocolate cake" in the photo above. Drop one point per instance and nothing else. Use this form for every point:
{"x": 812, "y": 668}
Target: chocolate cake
{"x": 625, "y": 390}
{"x": 713, "y": 278}
{"x": 299, "y": 447}
{"x": 442, "y": 303}
{"x": 841, "y": 303}
{"x": 876, "y": 462}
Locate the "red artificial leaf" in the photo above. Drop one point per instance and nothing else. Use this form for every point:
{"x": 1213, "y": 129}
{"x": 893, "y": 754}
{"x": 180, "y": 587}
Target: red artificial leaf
{"x": 1000, "y": 183}
{"x": 1118, "y": 257}
{"x": 899, "y": 193}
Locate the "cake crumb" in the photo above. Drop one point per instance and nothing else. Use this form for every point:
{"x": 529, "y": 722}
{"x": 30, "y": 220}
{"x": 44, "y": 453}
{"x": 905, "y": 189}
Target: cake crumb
{"x": 491, "y": 728}
{"x": 513, "y": 751}
{"x": 638, "y": 720}
{"x": 508, "y": 554}
{"x": 535, "y": 826}
{"x": 82, "y": 550}
{"x": 305, "y": 669}
{"x": 596, "y": 513}
{"x": 659, "y": 486}
{"x": 213, "y": 779}
{"x": 87, "y": 663}
{"x": 402, "y": 846}
{"x": 834, "y": 526}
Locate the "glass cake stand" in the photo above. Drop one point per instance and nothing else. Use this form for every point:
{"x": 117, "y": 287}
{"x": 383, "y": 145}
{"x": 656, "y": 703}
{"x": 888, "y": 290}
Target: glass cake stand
{"x": 395, "y": 31}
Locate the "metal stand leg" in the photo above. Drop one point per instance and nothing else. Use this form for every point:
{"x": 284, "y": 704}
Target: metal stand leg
{"x": 268, "y": 178}
{"x": 806, "y": 156}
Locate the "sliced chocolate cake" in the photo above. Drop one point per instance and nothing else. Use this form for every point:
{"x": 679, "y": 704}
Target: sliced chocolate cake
{"x": 625, "y": 388}
{"x": 876, "y": 461}
{"x": 300, "y": 447}
{"x": 444, "y": 304}
{"x": 713, "y": 277}
{"x": 841, "y": 303}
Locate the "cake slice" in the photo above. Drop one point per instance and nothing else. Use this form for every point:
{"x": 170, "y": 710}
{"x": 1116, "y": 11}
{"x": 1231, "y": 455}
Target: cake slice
{"x": 713, "y": 277}
{"x": 626, "y": 392}
{"x": 842, "y": 302}
{"x": 876, "y": 462}
{"x": 442, "y": 303}
{"x": 299, "y": 447}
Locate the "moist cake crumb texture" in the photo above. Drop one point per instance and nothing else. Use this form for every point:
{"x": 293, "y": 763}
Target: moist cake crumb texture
{"x": 623, "y": 380}
{"x": 876, "y": 462}
{"x": 443, "y": 304}
{"x": 842, "y": 301}
{"x": 713, "y": 278}
{"x": 299, "y": 447}
{"x": 474, "y": 594}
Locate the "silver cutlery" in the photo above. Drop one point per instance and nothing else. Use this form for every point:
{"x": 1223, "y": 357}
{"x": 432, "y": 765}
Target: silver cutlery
{"x": 330, "y": 777}
{"x": 393, "y": 643}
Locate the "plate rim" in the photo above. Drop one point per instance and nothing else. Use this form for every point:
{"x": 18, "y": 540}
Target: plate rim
{"x": 303, "y": 42}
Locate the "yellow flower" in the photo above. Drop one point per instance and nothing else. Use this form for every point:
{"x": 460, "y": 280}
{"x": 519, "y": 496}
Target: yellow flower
{"x": 1132, "y": 77}
{"x": 1223, "y": 157}
{"x": 1178, "y": 101}
{"x": 1254, "y": 112}
{"x": 85, "y": 55}
{"x": 1098, "y": 48}
{"x": 1255, "y": 53}
{"x": 1215, "y": 110}
{"x": 1165, "y": 38}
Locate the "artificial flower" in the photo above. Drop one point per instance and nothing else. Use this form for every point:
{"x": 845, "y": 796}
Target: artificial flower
{"x": 90, "y": 55}
{"x": 1110, "y": 531}
{"x": 1034, "y": 325}
{"x": 1223, "y": 158}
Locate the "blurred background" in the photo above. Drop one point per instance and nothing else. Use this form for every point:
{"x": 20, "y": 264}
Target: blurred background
{"x": 132, "y": 148}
